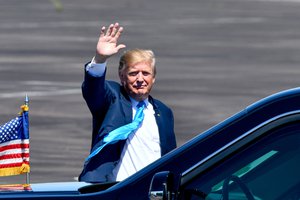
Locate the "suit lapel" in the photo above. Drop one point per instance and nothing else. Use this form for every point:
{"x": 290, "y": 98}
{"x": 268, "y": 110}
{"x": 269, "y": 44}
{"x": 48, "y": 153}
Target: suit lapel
{"x": 160, "y": 124}
{"x": 126, "y": 106}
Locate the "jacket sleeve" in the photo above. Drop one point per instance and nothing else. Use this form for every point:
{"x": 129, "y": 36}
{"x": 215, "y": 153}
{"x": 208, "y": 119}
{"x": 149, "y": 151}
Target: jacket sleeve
{"x": 96, "y": 95}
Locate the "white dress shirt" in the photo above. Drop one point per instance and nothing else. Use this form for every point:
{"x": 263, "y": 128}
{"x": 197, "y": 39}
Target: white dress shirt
{"x": 95, "y": 69}
{"x": 141, "y": 148}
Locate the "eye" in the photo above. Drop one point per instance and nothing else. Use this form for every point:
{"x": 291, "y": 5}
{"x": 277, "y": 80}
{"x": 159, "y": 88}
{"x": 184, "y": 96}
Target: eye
{"x": 146, "y": 73}
{"x": 133, "y": 73}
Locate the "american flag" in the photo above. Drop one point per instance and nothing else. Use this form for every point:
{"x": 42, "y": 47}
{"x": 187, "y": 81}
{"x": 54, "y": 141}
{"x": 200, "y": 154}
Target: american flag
{"x": 14, "y": 145}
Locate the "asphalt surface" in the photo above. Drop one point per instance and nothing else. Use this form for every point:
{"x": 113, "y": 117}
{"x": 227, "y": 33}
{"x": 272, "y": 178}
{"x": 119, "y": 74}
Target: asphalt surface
{"x": 214, "y": 58}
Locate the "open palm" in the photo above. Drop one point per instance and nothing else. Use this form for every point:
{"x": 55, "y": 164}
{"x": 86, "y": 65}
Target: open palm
{"x": 108, "y": 42}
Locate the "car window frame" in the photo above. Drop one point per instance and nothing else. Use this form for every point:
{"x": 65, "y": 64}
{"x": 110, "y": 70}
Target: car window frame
{"x": 236, "y": 144}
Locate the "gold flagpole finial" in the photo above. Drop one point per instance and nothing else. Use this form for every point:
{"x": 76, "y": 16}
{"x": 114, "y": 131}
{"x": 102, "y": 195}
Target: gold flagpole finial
{"x": 25, "y": 106}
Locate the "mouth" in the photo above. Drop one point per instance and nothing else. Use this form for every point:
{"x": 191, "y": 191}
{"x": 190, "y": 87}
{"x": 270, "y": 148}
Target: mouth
{"x": 139, "y": 87}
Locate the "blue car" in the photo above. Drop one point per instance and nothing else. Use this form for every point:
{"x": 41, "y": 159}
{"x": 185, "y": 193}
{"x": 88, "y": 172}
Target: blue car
{"x": 252, "y": 155}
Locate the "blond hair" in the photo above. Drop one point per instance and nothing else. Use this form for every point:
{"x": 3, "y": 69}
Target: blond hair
{"x": 134, "y": 56}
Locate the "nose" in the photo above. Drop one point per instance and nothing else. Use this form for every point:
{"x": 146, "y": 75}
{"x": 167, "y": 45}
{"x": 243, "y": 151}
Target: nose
{"x": 140, "y": 77}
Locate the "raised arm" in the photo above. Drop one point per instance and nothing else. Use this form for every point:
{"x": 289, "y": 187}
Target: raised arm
{"x": 108, "y": 42}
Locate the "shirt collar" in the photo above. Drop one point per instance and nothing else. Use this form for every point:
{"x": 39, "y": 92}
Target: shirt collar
{"x": 135, "y": 103}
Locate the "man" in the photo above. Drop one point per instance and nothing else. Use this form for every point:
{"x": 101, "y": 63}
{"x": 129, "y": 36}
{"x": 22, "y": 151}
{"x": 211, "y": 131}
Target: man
{"x": 114, "y": 105}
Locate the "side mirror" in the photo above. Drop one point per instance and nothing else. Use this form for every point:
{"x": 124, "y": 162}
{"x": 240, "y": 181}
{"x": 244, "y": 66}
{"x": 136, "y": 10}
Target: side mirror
{"x": 160, "y": 188}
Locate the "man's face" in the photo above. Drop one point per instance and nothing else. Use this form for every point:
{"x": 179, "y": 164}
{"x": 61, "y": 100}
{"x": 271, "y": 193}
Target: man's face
{"x": 138, "y": 80}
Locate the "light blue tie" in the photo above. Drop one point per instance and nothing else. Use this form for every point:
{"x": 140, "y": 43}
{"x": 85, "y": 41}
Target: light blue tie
{"x": 123, "y": 132}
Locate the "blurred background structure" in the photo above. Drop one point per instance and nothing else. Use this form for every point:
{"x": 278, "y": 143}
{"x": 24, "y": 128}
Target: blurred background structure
{"x": 214, "y": 58}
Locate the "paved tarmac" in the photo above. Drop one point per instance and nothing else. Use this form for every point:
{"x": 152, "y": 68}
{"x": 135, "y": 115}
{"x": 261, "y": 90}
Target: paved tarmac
{"x": 214, "y": 58}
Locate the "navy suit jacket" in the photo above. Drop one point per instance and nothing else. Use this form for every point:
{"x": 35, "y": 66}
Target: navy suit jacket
{"x": 111, "y": 108}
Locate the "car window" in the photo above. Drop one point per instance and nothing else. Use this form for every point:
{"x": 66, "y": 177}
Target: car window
{"x": 267, "y": 168}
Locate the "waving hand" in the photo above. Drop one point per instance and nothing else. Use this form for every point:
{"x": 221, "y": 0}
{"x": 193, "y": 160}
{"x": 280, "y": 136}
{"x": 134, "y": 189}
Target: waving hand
{"x": 108, "y": 42}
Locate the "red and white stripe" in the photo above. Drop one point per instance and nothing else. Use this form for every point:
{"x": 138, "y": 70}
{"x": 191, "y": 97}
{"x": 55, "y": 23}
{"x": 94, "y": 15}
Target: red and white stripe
{"x": 14, "y": 153}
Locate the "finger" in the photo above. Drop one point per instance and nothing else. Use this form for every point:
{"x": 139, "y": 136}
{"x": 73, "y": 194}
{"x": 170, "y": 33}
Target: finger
{"x": 120, "y": 46}
{"x": 119, "y": 32}
{"x": 115, "y": 29}
{"x": 102, "y": 32}
{"x": 109, "y": 30}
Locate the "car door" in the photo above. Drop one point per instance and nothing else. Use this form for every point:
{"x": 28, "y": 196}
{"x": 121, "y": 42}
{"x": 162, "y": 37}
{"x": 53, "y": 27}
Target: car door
{"x": 263, "y": 164}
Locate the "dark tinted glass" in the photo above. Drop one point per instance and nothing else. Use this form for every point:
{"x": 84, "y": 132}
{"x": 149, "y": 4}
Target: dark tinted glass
{"x": 267, "y": 168}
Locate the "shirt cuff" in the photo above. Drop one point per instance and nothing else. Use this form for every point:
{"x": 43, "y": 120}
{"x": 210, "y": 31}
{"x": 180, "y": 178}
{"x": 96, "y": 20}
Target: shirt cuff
{"x": 96, "y": 69}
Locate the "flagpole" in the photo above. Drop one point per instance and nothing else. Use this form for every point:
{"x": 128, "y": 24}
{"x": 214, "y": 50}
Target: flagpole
{"x": 28, "y": 173}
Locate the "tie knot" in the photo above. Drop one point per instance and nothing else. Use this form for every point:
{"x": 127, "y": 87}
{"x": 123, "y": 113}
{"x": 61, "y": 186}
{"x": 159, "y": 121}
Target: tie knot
{"x": 140, "y": 104}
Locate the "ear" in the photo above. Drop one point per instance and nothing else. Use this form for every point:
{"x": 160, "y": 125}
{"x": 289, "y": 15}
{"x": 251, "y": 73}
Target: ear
{"x": 153, "y": 81}
{"x": 122, "y": 79}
